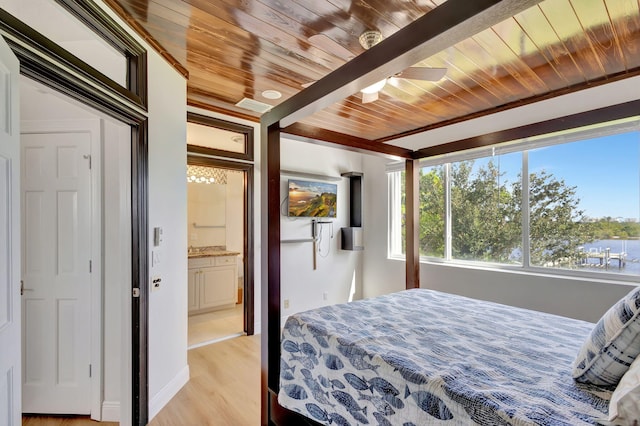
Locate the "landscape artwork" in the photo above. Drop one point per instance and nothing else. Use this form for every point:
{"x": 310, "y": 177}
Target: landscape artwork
{"x": 312, "y": 199}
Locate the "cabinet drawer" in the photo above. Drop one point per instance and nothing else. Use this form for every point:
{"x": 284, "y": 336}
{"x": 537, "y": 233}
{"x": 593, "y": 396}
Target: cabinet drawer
{"x": 200, "y": 262}
{"x": 225, "y": 260}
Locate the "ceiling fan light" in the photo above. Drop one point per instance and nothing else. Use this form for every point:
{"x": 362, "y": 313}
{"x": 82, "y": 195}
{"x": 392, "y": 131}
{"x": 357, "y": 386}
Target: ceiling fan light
{"x": 375, "y": 87}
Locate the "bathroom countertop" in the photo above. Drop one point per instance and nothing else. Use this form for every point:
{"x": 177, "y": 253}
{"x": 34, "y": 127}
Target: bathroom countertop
{"x": 212, "y": 253}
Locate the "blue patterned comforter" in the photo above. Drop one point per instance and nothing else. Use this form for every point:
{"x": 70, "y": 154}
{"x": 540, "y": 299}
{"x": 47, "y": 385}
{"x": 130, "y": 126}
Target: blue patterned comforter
{"x": 420, "y": 357}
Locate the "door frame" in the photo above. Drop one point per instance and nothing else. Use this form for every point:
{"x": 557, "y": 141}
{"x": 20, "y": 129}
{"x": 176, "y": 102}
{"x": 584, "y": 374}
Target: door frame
{"x": 44, "y": 61}
{"x": 93, "y": 127}
{"x": 248, "y": 225}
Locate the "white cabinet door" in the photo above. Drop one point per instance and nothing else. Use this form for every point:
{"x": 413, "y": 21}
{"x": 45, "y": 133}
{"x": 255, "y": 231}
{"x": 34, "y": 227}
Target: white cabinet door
{"x": 217, "y": 286}
{"x": 194, "y": 276}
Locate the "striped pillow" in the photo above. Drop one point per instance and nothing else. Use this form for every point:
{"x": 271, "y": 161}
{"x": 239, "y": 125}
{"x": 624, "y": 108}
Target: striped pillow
{"x": 612, "y": 345}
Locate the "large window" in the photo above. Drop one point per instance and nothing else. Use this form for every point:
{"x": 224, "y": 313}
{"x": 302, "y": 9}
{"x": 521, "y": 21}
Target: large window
{"x": 568, "y": 202}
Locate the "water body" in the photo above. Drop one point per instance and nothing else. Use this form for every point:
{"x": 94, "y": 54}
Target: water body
{"x": 631, "y": 247}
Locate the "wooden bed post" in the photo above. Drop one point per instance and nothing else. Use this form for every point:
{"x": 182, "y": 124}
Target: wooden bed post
{"x": 412, "y": 215}
{"x": 270, "y": 258}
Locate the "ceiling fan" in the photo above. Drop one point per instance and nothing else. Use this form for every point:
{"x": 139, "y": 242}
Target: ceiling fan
{"x": 367, "y": 40}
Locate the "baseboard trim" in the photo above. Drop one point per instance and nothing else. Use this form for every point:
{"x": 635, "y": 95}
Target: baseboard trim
{"x": 110, "y": 411}
{"x": 163, "y": 397}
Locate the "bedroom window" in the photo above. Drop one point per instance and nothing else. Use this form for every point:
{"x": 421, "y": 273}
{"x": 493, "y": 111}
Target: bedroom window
{"x": 568, "y": 202}
{"x": 485, "y": 205}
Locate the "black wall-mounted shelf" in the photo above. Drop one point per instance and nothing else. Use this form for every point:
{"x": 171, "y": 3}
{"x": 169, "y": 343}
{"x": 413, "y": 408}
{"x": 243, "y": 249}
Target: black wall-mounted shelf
{"x": 352, "y": 236}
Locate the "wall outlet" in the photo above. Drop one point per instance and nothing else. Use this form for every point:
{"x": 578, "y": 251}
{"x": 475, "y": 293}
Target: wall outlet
{"x": 155, "y": 283}
{"x": 325, "y": 296}
{"x": 194, "y": 237}
{"x": 286, "y": 303}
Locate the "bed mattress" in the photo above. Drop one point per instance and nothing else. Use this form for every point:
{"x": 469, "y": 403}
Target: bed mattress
{"x": 421, "y": 357}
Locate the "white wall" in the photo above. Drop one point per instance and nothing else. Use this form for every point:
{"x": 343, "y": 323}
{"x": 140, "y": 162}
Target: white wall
{"x": 338, "y": 274}
{"x": 235, "y": 221}
{"x": 207, "y": 206}
{"x": 168, "y": 369}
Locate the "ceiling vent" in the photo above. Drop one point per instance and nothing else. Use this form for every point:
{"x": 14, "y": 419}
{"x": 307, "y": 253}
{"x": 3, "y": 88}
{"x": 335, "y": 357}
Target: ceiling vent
{"x": 253, "y": 105}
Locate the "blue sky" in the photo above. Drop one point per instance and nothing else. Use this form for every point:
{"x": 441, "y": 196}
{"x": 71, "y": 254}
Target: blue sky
{"x": 604, "y": 170}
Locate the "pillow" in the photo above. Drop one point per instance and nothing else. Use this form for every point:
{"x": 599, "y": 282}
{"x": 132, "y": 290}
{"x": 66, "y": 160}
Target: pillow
{"x": 612, "y": 345}
{"x": 624, "y": 408}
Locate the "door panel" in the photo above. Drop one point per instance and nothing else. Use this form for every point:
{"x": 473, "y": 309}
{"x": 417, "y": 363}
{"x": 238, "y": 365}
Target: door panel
{"x": 56, "y": 272}
{"x": 10, "y": 383}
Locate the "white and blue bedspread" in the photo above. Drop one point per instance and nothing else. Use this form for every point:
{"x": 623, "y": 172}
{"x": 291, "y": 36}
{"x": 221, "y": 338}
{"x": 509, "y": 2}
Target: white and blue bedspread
{"x": 420, "y": 357}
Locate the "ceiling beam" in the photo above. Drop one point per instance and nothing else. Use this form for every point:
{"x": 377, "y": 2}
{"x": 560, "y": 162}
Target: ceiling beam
{"x": 600, "y": 115}
{"x": 318, "y": 136}
{"x": 444, "y": 26}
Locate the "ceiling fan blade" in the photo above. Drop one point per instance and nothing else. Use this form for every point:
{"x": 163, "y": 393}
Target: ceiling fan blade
{"x": 369, "y": 97}
{"x": 422, "y": 73}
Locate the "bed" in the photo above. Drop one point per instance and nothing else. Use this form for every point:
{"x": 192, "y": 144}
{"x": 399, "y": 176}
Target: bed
{"x": 421, "y": 357}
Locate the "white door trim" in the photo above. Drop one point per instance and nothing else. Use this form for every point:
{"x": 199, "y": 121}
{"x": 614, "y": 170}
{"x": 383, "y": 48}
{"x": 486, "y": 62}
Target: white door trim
{"x": 94, "y": 128}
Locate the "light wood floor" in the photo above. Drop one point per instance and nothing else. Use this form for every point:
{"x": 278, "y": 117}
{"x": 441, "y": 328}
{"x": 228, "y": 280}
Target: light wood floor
{"x": 224, "y": 389}
{"x": 215, "y": 325}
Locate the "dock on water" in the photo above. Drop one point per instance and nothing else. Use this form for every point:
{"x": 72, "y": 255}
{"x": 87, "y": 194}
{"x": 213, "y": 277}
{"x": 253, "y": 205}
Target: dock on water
{"x": 604, "y": 257}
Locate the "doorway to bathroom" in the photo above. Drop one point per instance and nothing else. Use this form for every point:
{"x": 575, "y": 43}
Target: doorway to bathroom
{"x": 220, "y": 177}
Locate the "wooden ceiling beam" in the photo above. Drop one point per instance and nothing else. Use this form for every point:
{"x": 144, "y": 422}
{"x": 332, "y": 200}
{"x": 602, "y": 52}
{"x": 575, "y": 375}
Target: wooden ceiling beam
{"x": 600, "y": 115}
{"x": 318, "y": 136}
{"x": 444, "y": 26}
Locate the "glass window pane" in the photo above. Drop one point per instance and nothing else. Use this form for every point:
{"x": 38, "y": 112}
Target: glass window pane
{"x": 432, "y": 211}
{"x": 486, "y": 209}
{"x": 397, "y": 223}
{"x": 585, "y": 204}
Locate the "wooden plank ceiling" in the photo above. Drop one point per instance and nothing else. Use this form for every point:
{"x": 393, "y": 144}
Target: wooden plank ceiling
{"x": 235, "y": 49}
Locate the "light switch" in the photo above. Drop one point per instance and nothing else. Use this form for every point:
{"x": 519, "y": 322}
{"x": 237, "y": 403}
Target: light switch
{"x": 155, "y": 258}
{"x": 157, "y": 236}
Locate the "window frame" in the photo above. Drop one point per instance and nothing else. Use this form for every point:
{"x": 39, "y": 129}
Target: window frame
{"x": 523, "y": 145}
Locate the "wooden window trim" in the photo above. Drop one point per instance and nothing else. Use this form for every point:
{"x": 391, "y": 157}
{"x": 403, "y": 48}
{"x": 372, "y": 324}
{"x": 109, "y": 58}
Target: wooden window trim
{"x": 247, "y": 131}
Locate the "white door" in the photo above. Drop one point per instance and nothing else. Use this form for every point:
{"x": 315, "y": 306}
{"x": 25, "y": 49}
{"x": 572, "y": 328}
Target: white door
{"x": 56, "y": 270}
{"x": 10, "y": 412}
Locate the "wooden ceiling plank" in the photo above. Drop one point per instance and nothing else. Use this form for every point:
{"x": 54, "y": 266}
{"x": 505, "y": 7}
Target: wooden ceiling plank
{"x": 313, "y": 22}
{"x": 562, "y": 17}
{"x": 269, "y": 24}
{"x": 460, "y": 68}
{"x": 455, "y": 20}
{"x": 270, "y": 56}
{"x": 511, "y": 62}
{"x": 625, "y": 18}
{"x": 371, "y": 17}
{"x": 355, "y": 111}
{"x": 546, "y": 55}
{"x": 594, "y": 19}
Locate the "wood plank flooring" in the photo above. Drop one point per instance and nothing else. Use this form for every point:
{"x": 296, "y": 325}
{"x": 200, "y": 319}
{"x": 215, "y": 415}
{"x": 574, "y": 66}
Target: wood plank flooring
{"x": 215, "y": 325}
{"x": 224, "y": 389}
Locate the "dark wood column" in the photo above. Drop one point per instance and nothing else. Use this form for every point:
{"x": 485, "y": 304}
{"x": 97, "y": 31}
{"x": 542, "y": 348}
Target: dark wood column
{"x": 270, "y": 258}
{"x": 412, "y": 217}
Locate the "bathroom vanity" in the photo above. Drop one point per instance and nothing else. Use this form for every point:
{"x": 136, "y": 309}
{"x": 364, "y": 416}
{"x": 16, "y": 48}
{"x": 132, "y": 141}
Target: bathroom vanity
{"x": 213, "y": 280}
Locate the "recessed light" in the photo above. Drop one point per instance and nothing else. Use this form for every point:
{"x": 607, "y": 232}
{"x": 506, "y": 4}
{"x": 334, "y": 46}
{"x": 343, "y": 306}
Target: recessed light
{"x": 272, "y": 94}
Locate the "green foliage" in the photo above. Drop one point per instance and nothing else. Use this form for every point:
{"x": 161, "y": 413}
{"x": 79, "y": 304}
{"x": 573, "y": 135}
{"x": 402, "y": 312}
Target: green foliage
{"x": 607, "y": 228}
{"x": 483, "y": 214}
{"x": 432, "y": 212}
{"x": 486, "y": 215}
